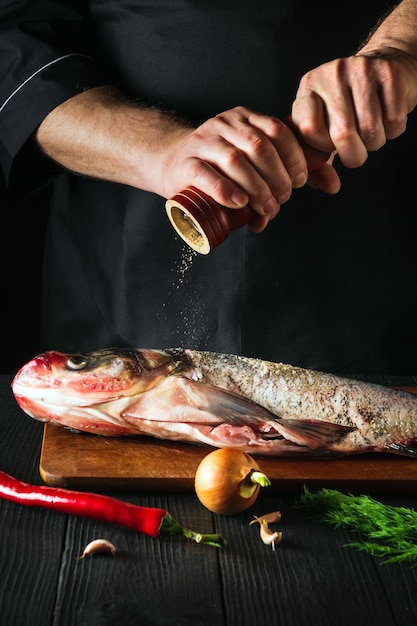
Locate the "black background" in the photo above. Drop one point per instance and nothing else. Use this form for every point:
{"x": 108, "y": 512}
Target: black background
{"x": 21, "y": 248}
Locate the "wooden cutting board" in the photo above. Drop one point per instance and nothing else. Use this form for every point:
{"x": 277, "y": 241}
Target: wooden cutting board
{"x": 91, "y": 462}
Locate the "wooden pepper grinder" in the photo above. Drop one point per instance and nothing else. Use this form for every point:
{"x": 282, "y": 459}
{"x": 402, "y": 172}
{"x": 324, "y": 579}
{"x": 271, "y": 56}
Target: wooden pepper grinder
{"x": 204, "y": 224}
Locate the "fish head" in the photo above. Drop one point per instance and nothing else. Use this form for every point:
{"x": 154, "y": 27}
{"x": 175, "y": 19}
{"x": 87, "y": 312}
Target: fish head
{"x": 54, "y": 382}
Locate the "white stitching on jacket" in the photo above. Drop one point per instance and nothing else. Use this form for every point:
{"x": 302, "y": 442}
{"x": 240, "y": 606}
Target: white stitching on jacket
{"x": 66, "y": 56}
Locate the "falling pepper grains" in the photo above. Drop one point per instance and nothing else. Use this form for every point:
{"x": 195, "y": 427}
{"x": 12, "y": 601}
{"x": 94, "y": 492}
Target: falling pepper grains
{"x": 192, "y": 327}
{"x": 184, "y": 264}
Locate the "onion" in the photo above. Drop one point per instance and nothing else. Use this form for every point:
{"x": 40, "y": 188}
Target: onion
{"x": 228, "y": 481}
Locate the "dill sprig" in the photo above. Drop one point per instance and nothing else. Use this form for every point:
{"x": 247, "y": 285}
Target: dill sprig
{"x": 389, "y": 532}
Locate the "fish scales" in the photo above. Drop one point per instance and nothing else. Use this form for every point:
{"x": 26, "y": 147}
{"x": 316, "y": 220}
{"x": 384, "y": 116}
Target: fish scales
{"x": 217, "y": 399}
{"x": 290, "y": 391}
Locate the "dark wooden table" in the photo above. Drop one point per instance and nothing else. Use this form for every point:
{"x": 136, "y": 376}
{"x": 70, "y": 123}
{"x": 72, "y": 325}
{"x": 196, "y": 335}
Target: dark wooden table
{"x": 311, "y": 578}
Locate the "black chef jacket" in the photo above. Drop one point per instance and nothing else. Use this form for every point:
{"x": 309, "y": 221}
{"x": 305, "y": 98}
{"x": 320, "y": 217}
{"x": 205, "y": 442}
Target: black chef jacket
{"x": 330, "y": 284}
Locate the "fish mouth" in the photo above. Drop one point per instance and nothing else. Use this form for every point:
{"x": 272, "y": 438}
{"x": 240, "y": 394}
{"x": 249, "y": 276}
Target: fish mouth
{"x": 43, "y": 359}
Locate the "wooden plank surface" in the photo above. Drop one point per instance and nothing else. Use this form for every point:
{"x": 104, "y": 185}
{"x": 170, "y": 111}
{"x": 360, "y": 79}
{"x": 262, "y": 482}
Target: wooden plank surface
{"x": 312, "y": 577}
{"x": 82, "y": 461}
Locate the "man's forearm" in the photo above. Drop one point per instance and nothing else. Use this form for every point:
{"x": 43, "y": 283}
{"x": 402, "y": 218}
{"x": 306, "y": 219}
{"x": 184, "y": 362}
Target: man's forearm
{"x": 239, "y": 156}
{"x": 98, "y": 134}
{"x": 398, "y": 31}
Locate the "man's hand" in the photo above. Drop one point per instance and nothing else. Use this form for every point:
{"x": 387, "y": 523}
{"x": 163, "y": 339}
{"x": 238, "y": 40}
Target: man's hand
{"x": 354, "y": 105}
{"x": 238, "y": 157}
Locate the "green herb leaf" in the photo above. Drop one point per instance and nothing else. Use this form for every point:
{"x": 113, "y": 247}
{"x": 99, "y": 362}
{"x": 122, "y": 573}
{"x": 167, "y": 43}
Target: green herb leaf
{"x": 392, "y": 530}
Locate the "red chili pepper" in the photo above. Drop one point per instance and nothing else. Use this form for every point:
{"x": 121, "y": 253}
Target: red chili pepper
{"x": 150, "y": 521}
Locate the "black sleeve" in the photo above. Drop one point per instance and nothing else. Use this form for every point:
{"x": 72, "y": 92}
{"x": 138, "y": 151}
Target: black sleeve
{"x": 48, "y": 55}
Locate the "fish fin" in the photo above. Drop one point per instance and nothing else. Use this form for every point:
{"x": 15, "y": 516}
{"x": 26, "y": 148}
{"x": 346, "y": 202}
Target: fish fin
{"x": 313, "y": 434}
{"x": 234, "y": 409}
{"x": 400, "y": 449}
{"x": 229, "y": 406}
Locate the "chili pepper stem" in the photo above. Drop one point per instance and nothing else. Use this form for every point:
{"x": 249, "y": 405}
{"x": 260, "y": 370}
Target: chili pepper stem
{"x": 170, "y": 526}
{"x": 209, "y": 539}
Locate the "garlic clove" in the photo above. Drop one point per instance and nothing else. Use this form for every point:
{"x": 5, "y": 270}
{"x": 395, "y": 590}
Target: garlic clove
{"x": 98, "y": 546}
{"x": 270, "y": 518}
{"x": 268, "y": 537}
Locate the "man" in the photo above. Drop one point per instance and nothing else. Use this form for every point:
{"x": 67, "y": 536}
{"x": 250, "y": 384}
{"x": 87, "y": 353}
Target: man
{"x": 125, "y": 105}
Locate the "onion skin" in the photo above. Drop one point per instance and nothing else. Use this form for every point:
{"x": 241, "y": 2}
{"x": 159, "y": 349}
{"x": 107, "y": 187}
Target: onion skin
{"x": 223, "y": 482}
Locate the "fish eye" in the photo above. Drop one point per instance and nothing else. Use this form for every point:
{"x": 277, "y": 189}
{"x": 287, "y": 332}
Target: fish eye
{"x": 76, "y": 362}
